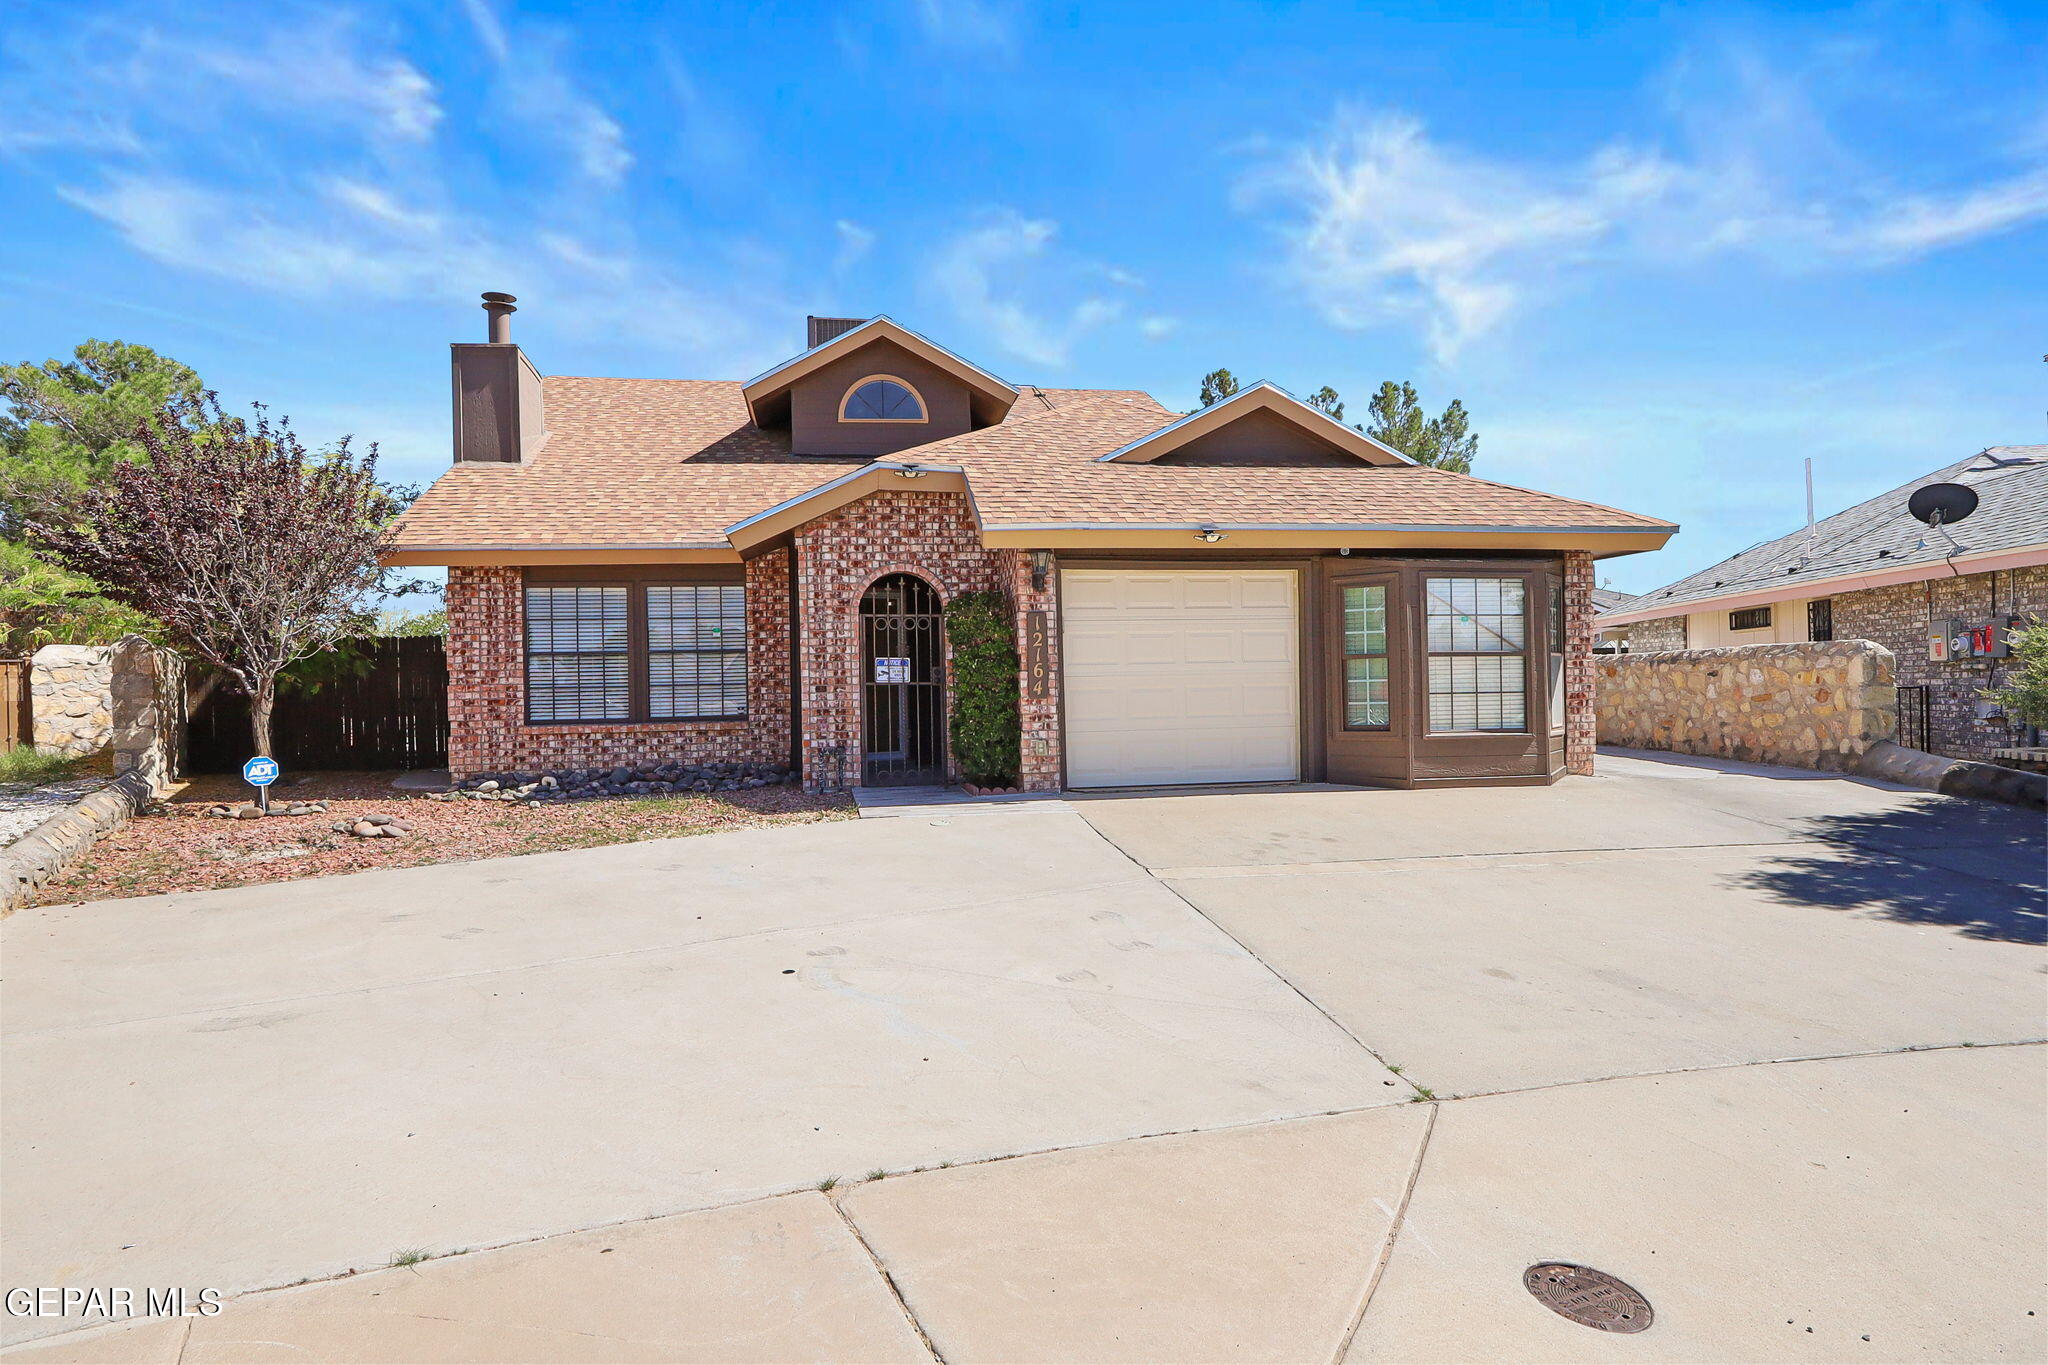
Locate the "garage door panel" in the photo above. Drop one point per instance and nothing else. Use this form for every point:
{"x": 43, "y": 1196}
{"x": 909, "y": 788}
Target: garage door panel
{"x": 1276, "y": 594}
{"x": 1269, "y": 646}
{"x": 1180, "y": 676}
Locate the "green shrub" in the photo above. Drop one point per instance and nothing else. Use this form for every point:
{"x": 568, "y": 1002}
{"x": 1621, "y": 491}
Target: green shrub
{"x": 2025, "y": 694}
{"x": 987, "y": 735}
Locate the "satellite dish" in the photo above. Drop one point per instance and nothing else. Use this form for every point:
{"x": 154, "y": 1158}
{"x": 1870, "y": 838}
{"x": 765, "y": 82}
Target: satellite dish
{"x": 1942, "y": 504}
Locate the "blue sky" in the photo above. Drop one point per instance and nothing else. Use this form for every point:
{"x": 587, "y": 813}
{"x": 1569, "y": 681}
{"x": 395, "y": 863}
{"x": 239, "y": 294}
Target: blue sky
{"x": 1661, "y": 253}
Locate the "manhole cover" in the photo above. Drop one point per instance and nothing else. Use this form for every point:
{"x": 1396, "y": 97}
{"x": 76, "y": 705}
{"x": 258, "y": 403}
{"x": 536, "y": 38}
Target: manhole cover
{"x": 1588, "y": 1296}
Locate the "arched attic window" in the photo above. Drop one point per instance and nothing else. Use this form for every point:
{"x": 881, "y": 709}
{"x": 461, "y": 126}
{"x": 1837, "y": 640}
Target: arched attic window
{"x": 881, "y": 398}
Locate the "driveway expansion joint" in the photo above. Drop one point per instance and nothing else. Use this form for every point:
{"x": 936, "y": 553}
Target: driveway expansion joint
{"x": 895, "y": 1290}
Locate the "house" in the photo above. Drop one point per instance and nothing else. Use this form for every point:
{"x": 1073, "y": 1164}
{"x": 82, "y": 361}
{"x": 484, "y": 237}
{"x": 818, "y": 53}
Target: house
{"x": 1607, "y": 639}
{"x": 1943, "y": 599}
{"x": 647, "y": 570}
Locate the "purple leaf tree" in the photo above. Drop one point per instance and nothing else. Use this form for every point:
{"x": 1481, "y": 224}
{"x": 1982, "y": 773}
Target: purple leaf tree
{"x": 253, "y": 552}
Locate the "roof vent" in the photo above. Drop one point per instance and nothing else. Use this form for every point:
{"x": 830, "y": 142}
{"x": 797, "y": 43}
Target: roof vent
{"x": 818, "y": 331}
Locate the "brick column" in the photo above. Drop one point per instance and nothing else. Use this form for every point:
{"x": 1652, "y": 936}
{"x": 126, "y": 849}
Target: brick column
{"x": 486, "y": 651}
{"x": 1579, "y": 717}
{"x": 1040, "y": 766}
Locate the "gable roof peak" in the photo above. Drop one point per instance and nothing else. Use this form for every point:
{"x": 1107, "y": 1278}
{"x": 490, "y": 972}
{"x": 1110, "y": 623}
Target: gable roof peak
{"x": 1263, "y": 395}
{"x": 995, "y": 395}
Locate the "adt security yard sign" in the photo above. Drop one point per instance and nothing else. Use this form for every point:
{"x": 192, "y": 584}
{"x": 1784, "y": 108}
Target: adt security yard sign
{"x": 260, "y": 773}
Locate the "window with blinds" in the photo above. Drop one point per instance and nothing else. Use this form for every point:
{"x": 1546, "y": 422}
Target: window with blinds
{"x": 696, "y": 652}
{"x": 578, "y": 653}
{"x": 1478, "y": 675}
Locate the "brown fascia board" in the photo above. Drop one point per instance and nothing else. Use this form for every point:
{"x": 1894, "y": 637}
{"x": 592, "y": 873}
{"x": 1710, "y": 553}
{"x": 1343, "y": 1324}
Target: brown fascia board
{"x": 1260, "y": 396}
{"x": 763, "y": 391}
{"x": 513, "y": 556}
{"x": 1603, "y": 543}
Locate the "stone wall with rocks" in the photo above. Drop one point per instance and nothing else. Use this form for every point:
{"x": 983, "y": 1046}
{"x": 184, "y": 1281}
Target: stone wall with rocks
{"x": 1800, "y": 705}
{"x": 1649, "y": 637}
{"x": 146, "y": 700}
{"x": 70, "y": 690}
{"x": 127, "y": 697}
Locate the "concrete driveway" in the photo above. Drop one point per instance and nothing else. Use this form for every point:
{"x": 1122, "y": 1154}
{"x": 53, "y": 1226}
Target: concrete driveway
{"x": 1764, "y": 1045}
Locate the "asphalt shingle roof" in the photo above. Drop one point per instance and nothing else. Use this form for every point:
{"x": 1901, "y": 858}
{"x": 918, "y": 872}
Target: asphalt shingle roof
{"x": 652, "y": 462}
{"x": 1880, "y": 535}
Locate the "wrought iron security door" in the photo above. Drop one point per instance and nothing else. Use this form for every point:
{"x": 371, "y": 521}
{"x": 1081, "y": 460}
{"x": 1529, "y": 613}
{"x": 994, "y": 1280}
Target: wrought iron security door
{"x": 903, "y": 673}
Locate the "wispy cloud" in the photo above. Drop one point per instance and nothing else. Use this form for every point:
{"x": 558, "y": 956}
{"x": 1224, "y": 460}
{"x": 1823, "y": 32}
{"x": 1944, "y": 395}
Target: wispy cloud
{"x": 855, "y": 242}
{"x": 303, "y": 158}
{"x": 996, "y": 276}
{"x": 1157, "y": 328}
{"x": 321, "y": 70}
{"x": 537, "y": 92}
{"x": 1380, "y": 221}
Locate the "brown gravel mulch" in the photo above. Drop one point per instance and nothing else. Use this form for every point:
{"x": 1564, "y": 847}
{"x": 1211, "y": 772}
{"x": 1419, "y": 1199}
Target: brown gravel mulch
{"x": 173, "y": 848}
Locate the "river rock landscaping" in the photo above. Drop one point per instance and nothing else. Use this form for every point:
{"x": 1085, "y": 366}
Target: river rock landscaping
{"x": 325, "y": 824}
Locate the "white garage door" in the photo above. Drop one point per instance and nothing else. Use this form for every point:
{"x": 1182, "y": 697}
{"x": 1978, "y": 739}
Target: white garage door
{"x": 1180, "y": 677}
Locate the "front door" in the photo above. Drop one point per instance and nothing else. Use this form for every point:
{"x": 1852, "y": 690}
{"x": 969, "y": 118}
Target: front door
{"x": 903, "y": 682}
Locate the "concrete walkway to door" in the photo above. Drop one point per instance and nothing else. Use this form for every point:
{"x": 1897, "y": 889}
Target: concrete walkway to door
{"x": 1764, "y": 1045}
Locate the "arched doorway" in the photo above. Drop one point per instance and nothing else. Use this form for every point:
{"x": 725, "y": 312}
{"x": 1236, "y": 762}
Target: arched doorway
{"x": 903, "y": 683}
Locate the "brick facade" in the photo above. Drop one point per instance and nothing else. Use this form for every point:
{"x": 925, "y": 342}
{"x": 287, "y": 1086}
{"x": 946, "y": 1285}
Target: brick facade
{"x": 1900, "y": 617}
{"x": 487, "y": 726}
{"x": 931, "y": 535}
{"x": 834, "y": 560}
{"x": 1042, "y": 763}
{"x": 1579, "y": 718}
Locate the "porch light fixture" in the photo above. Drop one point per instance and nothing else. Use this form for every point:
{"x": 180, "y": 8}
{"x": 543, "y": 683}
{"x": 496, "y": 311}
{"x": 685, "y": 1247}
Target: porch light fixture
{"x": 1208, "y": 535}
{"x": 911, "y": 471}
{"x": 1041, "y": 569}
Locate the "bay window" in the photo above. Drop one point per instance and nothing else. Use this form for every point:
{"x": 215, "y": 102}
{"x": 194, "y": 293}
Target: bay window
{"x": 1477, "y": 633}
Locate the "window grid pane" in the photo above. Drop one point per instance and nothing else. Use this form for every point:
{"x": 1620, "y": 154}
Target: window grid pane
{"x": 696, "y": 651}
{"x": 1477, "y": 629}
{"x": 1366, "y": 705}
{"x": 1365, "y": 692}
{"x": 576, "y": 660}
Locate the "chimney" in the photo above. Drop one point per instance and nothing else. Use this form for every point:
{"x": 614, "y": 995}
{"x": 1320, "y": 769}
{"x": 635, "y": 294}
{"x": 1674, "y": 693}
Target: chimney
{"x": 818, "y": 331}
{"x": 500, "y": 310}
{"x": 496, "y": 394}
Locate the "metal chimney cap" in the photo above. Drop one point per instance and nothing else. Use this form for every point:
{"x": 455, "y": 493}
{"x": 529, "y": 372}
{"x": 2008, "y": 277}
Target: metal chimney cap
{"x": 493, "y": 297}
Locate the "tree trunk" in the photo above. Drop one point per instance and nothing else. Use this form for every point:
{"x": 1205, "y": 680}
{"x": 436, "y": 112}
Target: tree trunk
{"x": 260, "y": 703}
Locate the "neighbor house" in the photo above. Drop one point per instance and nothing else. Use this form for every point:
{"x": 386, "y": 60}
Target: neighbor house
{"x": 1943, "y": 599}
{"x": 695, "y": 570}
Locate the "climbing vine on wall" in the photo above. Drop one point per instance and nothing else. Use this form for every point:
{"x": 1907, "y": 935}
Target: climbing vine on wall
{"x": 985, "y": 727}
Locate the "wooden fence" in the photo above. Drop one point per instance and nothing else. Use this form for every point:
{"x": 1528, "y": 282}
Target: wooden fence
{"x": 17, "y": 727}
{"x": 390, "y": 713}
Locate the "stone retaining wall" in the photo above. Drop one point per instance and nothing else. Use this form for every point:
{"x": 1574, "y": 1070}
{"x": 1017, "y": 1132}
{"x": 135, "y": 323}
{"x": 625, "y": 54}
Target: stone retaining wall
{"x": 128, "y": 697}
{"x": 50, "y": 847}
{"x": 70, "y": 690}
{"x": 1801, "y": 705}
